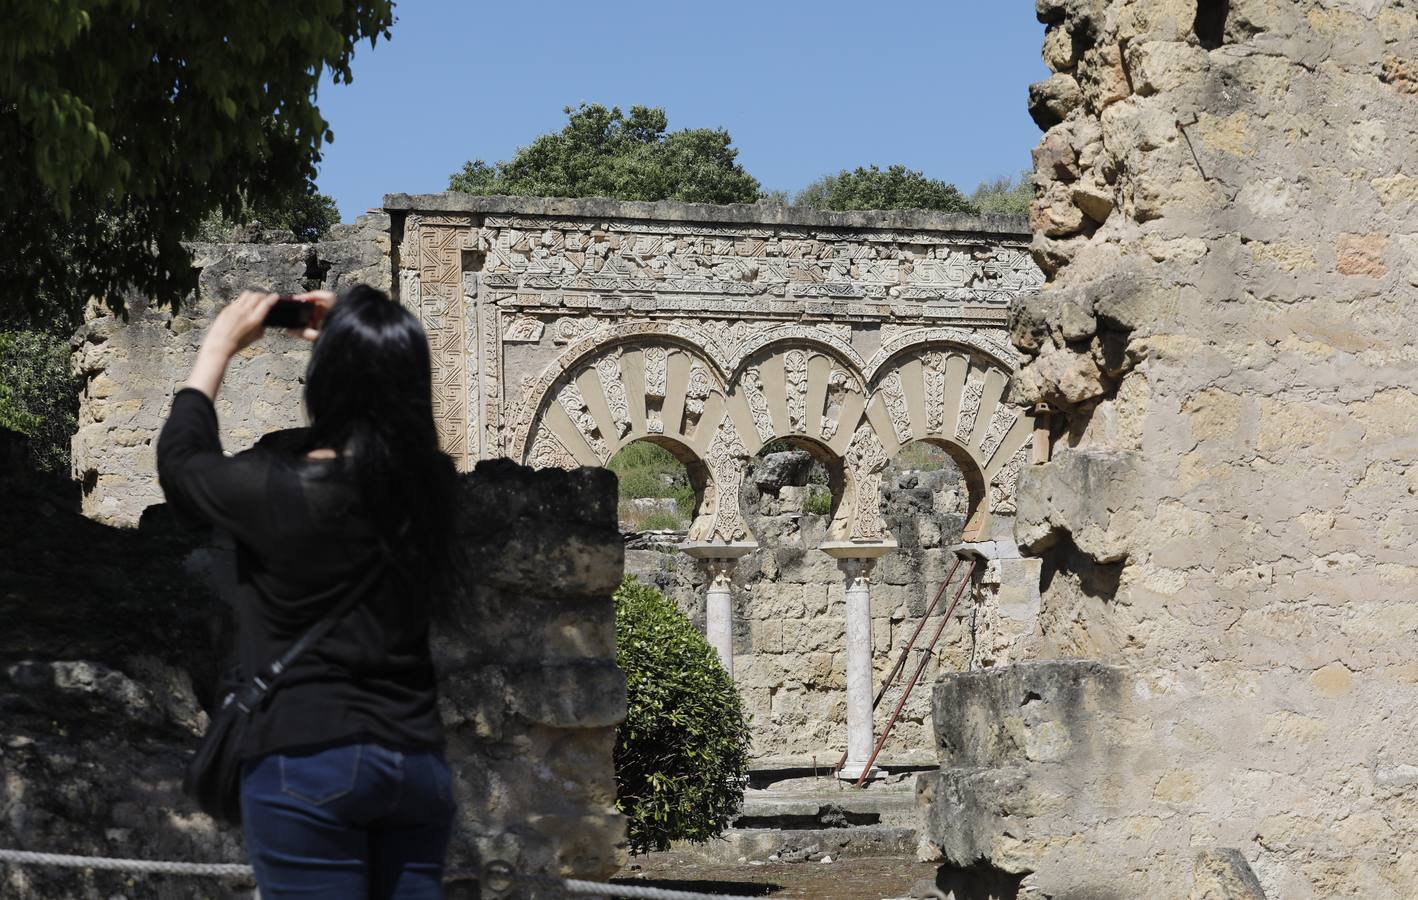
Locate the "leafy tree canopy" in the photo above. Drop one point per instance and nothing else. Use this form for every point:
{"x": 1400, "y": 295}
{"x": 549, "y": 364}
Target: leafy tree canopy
{"x": 871, "y": 188}
{"x": 124, "y": 124}
{"x": 38, "y": 396}
{"x": 1004, "y": 195}
{"x": 606, "y": 153}
{"x": 307, "y": 215}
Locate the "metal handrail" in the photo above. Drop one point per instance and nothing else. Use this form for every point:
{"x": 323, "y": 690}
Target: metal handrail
{"x": 900, "y": 665}
{"x": 921, "y": 667}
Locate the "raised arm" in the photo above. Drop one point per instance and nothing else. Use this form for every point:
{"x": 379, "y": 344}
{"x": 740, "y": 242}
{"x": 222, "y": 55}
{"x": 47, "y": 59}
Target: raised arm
{"x": 202, "y": 484}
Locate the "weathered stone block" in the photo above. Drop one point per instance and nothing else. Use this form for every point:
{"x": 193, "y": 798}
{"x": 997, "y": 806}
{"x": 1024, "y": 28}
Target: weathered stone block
{"x": 1028, "y": 713}
{"x": 568, "y": 695}
{"x": 1070, "y": 496}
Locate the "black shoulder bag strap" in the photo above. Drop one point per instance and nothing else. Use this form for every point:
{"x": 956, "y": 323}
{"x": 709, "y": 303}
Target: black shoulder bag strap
{"x": 213, "y": 776}
{"x": 256, "y": 687}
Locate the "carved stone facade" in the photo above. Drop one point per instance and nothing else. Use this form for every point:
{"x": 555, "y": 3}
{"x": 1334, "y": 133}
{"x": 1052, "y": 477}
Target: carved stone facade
{"x": 585, "y": 325}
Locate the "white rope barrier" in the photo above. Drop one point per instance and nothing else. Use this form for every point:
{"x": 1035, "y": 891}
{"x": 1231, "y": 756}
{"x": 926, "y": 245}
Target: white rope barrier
{"x": 159, "y": 866}
{"x": 495, "y": 871}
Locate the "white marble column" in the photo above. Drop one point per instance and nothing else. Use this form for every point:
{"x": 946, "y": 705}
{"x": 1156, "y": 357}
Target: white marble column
{"x": 719, "y": 562}
{"x": 856, "y": 562}
{"x": 860, "y": 733}
{"x": 719, "y": 610}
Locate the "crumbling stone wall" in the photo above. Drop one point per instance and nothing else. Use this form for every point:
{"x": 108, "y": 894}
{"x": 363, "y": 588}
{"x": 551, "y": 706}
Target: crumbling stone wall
{"x": 111, "y": 641}
{"x": 1226, "y": 198}
{"x": 132, "y": 363}
{"x": 531, "y": 693}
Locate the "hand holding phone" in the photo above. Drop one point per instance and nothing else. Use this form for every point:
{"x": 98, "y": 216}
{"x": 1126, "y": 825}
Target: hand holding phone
{"x": 301, "y": 314}
{"x": 288, "y": 312}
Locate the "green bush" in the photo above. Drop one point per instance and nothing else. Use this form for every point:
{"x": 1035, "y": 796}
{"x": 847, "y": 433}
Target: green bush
{"x": 38, "y": 396}
{"x": 681, "y": 756}
{"x": 684, "y": 497}
{"x": 819, "y": 501}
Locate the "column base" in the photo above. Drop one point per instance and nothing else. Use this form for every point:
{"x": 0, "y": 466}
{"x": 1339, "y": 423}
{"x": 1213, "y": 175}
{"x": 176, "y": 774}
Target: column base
{"x": 851, "y": 771}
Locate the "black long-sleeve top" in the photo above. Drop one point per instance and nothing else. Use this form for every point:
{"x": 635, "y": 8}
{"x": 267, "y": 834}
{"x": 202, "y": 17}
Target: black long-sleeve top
{"x": 303, "y": 542}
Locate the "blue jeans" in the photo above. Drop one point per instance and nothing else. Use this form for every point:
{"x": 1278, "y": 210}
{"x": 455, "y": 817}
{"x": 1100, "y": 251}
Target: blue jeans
{"x": 348, "y": 822}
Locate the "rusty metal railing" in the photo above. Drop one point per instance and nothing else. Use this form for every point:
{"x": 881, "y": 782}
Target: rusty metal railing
{"x": 921, "y": 666}
{"x": 900, "y": 665}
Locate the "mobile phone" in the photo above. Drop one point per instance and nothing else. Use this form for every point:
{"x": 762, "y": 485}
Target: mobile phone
{"x": 289, "y": 312}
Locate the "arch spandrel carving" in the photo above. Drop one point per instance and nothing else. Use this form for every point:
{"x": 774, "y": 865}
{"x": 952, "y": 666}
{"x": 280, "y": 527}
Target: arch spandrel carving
{"x": 639, "y": 381}
{"x": 927, "y": 386}
{"x": 645, "y": 348}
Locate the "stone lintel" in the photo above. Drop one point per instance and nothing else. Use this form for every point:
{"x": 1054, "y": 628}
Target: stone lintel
{"x": 736, "y": 214}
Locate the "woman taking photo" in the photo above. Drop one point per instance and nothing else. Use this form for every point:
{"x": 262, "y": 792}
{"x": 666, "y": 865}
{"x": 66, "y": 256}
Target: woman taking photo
{"x": 344, "y": 789}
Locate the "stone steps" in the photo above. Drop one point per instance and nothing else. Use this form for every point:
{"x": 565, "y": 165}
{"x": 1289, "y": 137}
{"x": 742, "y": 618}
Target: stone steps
{"x": 796, "y": 818}
{"x": 808, "y": 844}
{"x": 765, "y": 809}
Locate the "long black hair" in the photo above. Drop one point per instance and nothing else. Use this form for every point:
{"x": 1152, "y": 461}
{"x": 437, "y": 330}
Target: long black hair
{"x": 369, "y": 393}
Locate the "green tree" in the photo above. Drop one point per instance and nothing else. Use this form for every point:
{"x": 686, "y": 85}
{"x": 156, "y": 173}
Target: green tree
{"x": 307, "y": 215}
{"x": 124, "y": 124}
{"x": 38, "y": 396}
{"x": 681, "y": 755}
{"x": 1004, "y": 195}
{"x": 871, "y": 188}
{"x": 606, "y": 153}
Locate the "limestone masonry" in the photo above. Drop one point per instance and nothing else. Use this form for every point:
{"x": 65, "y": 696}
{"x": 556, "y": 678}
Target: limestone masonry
{"x": 1226, "y": 210}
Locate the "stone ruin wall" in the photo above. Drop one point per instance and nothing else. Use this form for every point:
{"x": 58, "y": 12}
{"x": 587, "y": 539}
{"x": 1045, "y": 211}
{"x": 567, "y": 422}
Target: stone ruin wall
{"x": 536, "y": 279}
{"x": 101, "y": 717}
{"x": 131, "y": 364}
{"x": 1226, "y": 213}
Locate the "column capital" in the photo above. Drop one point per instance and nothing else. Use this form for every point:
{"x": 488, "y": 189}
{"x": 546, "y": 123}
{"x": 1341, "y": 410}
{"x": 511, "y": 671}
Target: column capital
{"x": 716, "y": 550}
{"x": 720, "y": 571}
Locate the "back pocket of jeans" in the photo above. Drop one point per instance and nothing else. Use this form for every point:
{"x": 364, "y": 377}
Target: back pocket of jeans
{"x": 321, "y": 777}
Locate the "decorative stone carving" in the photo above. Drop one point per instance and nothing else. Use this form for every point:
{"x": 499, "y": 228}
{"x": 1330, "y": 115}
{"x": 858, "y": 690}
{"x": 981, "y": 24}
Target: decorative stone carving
{"x": 1003, "y": 487}
{"x": 837, "y": 388}
{"x": 700, "y": 385}
{"x": 439, "y": 253}
{"x": 1003, "y": 419}
{"x": 549, "y": 453}
{"x": 608, "y": 369}
{"x": 568, "y": 329}
{"x": 970, "y": 405}
{"x": 580, "y": 413}
{"x": 752, "y": 386}
{"x": 933, "y": 364}
{"x": 893, "y": 394}
{"x": 865, "y": 461}
{"x": 795, "y": 371}
{"x": 727, "y": 461}
{"x": 524, "y": 330}
{"x": 656, "y": 369}
{"x": 992, "y": 344}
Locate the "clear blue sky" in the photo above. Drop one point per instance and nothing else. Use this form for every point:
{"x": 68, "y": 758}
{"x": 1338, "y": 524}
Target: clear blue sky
{"x": 805, "y": 87}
